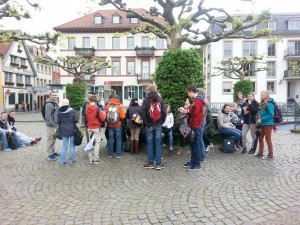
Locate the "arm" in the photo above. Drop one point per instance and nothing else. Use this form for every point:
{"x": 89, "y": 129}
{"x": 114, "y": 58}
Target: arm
{"x": 253, "y": 108}
{"x": 58, "y": 119}
{"x": 76, "y": 117}
{"x": 122, "y": 112}
{"x": 163, "y": 110}
{"x": 221, "y": 122}
{"x": 127, "y": 113}
{"x": 48, "y": 114}
{"x": 270, "y": 114}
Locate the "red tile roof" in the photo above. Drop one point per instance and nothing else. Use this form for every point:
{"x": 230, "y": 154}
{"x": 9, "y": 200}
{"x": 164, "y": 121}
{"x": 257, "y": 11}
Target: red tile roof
{"x": 86, "y": 23}
{"x": 4, "y": 47}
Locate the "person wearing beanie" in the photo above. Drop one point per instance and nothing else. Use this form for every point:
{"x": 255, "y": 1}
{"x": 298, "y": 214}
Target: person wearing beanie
{"x": 153, "y": 113}
{"x": 66, "y": 119}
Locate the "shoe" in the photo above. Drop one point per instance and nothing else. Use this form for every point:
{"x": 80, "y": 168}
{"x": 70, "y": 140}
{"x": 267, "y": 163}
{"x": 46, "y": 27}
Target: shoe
{"x": 63, "y": 164}
{"x": 120, "y": 156}
{"x": 203, "y": 161}
{"x": 37, "y": 140}
{"x": 21, "y": 146}
{"x": 97, "y": 161}
{"x": 194, "y": 168}
{"x": 267, "y": 157}
{"x": 56, "y": 154}
{"x": 109, "y": 156}
{"x": 207, "y": 148}
{"x": 251, "y": 151}
{"x": 32, "y": 142}
{"x": 236, "y": 148}
{"x": 91, "y": 161}
{"x": 164, "y": 145}
{"x": 188, "y": 164}
{"x": 258, "y": 156}
{"x": 180, "y": 151}
{"x": 158, "y": 167}
{"x": 148, "y": 166}
{"x": 171, "y": 149}
{"x": 72, "y": 162}
{"x": 52, "y": 157}
{"x": 244, "y": 150}
{"x": 6, "y": 149}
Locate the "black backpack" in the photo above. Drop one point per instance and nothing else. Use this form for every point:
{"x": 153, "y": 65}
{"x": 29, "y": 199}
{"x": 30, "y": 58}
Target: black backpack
{"x": 44, "y": 108}
{"x": 11, "y": 142}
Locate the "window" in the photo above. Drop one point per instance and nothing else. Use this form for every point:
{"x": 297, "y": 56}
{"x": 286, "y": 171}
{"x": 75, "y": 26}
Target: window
{"x": 19, "y": 78}
{"x": 228, "y": 27}
{"x": 145, "y": 70}
{"x": 98, "y": 19}
{"x": 115, "y": 43}
{"x": 254, "y": 86}
{"x": 71, "y": 43}
{"x": 8, "y": 77}
{"x": 271, "y": 86}
{"x": 272, "y": 71}
{"x": 23, "y": 62}
{"x": 133, "y": 20}
{"x": 130, "y": 92}
{"x": 38, "y": 67}
{"x": 13, "y": 59}
{"x": 100, "y": 43}
{"x": 249, "y": 48}
{"x": 49, "y": 70}
{"x": 227, "y": 48}
{"x": 160, "y": 43}
{"x": 37, "y": 82}
{"x": 46, "y": 69}
{"x": 116, "y": 19}
{"x": 45, "y": 83}
{"x": 294, "y": 48}
{"x": 130, "y": 42}
{"x": 249, "y": 68}
{"x": 227, "y": 87}
{"x": 271, "y": 48}
{"x": 144, "y": 91}
{"x": 130, "y": 68}
{"x": 145, "y": 41}
{"x": 272, "y": 25}
{"x": 42, "y": 69}
{"x": 42, "y": 82}
{"x": 250, "y": 28}
{"x": 101, "y": 91}
{"x": 85, "y": 42}
{"x": 101, "y": 72}
{"x": 49, "y": 82}
{"x": 294, "y": 25}
{"x": 12, "y": 99}
{"x": 27, "y": 79}
{"x": 116, "y": 68}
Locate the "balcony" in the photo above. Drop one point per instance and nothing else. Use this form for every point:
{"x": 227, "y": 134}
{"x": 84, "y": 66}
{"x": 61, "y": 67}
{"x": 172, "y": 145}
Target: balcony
{"x": 89, "y": 79}
{"x": 86, "y": 52}
{"x": 144, "y": 79}
{"x": 291, "y": 75}
{"x": 292, "y": 53}
{"x": 144, "y": 51}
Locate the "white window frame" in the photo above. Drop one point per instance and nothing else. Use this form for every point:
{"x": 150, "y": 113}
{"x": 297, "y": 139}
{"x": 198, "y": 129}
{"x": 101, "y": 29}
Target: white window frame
{"x": 249, "y": 48}
{"x": 145, "y": 70}
{"x": 294, "y": 24}
{"x": 272, "y": 72}
{"x": 100, "y": 43}
{"x": 101, "y": 72}
{"x": 116, "y": 19}
{"x": 27, "y": 79}
{"x": 130, "y": 43}
{"x": 272, "y": 24}
{"x": 71, "y": 43}
{"x": 160, "y": 43}
{"x": 115, "y": 43}
{"x": 8, "y": 77}
{"x": 133, "y": 20}
{"x": 86, "y": 42}
{"x": 98, "y": 19}
{"x": 271, "y": 43}
{"x": 267, "y": 85}
{"x": 231, "y": 87}
{"x": 130, "y": 92}
{"x": 130, "y": 68}
{"x": 116, "y": 70}
{"x": 101, "y": 92}
{"x": 227, "y": 50}
{"x": 145, "y": 42}
{"x": 144, "y": 91}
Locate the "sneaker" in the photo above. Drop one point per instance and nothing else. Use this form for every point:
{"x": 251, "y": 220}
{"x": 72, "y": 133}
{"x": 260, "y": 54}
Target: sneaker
{"x": 203, "y": 161}
{"x": 258, "y": 156}
{"x": 267, "y": 157}
{"x": 164, "y": 145}
{"x": 158, "y": 167}
{"x": 91, "y": 161}
{"x": 194, "y": 168}
{"x": 21, "y": 146}
{"x": 187, "y": 165}
{"x": 251, "y": 151}
{"x": 97, "y": 161}
{"x": 63, "y": 163}
{"x": 120, "y": 156}
{"x": 72, "y": 162}
{"x": 236, "y": 148}
{"x": 109, "y": 156}
{"x": 56, "y": 154}
{"x": 207, "y": 148}
{"x": 6, "y": 149}
{"x": 52, "y": 157}
{"x": 171, "y": 149}
{"x": 148, "y": 166}
{"x": 180, "y": 151}
{"x": 37, "y": 140}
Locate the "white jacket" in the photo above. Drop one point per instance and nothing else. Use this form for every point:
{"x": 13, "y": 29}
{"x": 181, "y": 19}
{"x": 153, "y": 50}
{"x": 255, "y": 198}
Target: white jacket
{"x": 169, "y": 122}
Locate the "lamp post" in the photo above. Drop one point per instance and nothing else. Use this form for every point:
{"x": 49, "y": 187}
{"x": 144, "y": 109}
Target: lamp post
{"x": 7, "y": 93}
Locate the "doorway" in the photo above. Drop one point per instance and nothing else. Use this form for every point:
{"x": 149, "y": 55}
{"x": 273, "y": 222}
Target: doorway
{"x": 117, "y": 90}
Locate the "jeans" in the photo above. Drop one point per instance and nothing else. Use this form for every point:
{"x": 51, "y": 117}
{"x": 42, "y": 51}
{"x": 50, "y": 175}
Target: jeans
{"x": 112, "y": 133}
{"x": 3, "y": 138}
{"x": 195, "y": 148}
{"x": 201, "y": 142}
{"x": 235, "y": 134}
{"x": 153, "y": 135}
{"x": 170, "y": 136}
{"x": 64, "y": 149}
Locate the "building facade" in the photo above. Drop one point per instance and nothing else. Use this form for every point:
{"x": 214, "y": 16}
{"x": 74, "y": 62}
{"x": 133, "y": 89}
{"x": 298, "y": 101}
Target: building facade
{"x": 133, "y": 58}
{"x": 280, "y": 80}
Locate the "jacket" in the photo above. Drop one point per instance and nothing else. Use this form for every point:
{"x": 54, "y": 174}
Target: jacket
{"x": 132, "y": 109}
{"x": 66, "y": 119}
{"x": 51, "y": 113}
{"x": 83, "y": 111}
{"x": 114, "y": 101}
{"x": 224, "y": 120}
{"x": 253, "y": 108}
{"x": 267, "y": 114}
{"x": 196, "y": 112}
{"x": 92, "y": 121}
{"x": 169, "y": 122}
{"x": 145, "y": 110}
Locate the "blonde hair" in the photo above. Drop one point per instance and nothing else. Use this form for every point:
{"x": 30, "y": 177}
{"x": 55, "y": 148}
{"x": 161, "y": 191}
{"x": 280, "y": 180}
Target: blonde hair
{"x": 65, "y": 101}
{"x": 264, "y": 102}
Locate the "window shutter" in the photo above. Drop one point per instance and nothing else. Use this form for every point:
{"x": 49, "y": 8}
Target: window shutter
{"x": 126, "y": 92}
{"x": 140, "y": 92}
{"x": 136, "y": 92}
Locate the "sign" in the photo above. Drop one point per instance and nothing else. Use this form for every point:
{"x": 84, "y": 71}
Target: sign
{"x": 39, "y": 89}
{"x": 107, "y": 82}
{"x": 7, "y": 92}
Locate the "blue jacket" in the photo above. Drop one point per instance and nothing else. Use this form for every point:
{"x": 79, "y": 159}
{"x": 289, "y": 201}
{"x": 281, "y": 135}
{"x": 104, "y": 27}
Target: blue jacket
{"x": 67, "y": 118}
{"x": 267, "y": 114}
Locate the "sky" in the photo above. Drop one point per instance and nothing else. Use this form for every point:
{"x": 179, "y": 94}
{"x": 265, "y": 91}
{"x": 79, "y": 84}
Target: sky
{"x": 57, "y": 12}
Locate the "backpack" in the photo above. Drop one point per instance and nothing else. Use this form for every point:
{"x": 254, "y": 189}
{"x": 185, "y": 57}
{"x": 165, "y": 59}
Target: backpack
{"x": 44, "y": 108}
{"x": 11, "y": 142}
{"x": 186, "y": 132}
{"x": 113, "y": 116}
{"x": 154, "y": 110}
{"x": 228, "y": 146}
{"x": 277, "y": 114}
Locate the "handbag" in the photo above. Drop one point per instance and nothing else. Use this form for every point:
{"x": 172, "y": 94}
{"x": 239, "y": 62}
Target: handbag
{"x": 58, "y": 133}
{"x": 228, "y": 146}
{"x": 136, "y": 118}
{"x": 78, "y": 136}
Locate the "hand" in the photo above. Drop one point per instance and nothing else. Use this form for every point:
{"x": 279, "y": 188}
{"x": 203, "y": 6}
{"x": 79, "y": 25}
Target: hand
{"x": 258, "y": 122}
{"x": 249, "y": 102}
{"x": 187, "y": 102}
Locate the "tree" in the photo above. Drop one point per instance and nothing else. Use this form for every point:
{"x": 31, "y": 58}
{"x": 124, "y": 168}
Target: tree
{"x": 179, "y": 68}
{"x": 294, "y": 67}
{"x": 184, "y": 27}
{"x": 244, "y": 86}
{"x": 76, "y": 94}
{"x": 240, "y": 67}
{"x": 12, "y": 9}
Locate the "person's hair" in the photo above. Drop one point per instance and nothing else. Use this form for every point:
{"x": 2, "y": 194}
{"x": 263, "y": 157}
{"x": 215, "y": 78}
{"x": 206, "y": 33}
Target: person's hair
{"x": 91, "y": 93}
{"x": 3, "y": 113}
{"x": 93, "y": 98}
{"x": 191, "y": 88}
{"x": 65, "y": 102}
{"x": 133, "y": 100}
{"x": 225, "y": 105}
{"x": 167, "y": 105}
{"x": 265, "y": 101}
{"x": 239, "y": 93}
{"x": 110, "y": 96}
{"x": 236, "y": 105}
{"x": 11, "y": 111}
{"x": 53, "y": 92}
{"x": 251, "y": 93}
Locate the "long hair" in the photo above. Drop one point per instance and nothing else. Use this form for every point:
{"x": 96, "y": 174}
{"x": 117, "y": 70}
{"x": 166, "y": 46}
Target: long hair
{"x": 263, "y": 103}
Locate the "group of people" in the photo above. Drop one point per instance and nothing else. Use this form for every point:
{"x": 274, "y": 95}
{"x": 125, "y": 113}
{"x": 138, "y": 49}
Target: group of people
{"x": 247, "y": 114}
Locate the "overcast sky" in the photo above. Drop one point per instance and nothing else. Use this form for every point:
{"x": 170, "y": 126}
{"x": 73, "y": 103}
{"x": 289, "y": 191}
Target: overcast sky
{"x": 57, "y": 12}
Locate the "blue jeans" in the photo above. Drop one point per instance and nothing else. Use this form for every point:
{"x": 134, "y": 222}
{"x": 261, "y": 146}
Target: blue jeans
{"x": 170, "y": 136}
{"x": 195, "y": 148}
{"x": 114, "y": 132}
{"x": 3, "y": 138}
{"x": 201, "y": 142}
{"x": 153, "y": 135}
{"x": 235, "y": 134}
{"x": 64, "y": 149}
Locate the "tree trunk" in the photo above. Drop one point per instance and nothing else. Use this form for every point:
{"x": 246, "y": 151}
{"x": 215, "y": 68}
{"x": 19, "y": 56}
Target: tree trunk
{"x": 176, "y": 42}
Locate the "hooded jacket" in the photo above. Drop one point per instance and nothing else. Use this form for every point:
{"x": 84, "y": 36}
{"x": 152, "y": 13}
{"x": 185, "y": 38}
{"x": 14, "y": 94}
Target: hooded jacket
{"x": 145, "y": 110}
{"x": 196, "y": 112}
{"x": 253, "y": 108}
{"x": 91, "y": 118}
{"x": 267, "y": 114}
{"x": 131, "y": 110}
{"x": 51, "y": 113}
{"x": 224, "y": 120}
{"x": 114, "y": 101}
{"x": 66, "y": 119}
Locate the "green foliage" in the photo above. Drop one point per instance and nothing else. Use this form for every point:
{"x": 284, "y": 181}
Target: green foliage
{"x": 176, "y": 70}
{"x": 244, "y": 86}
{"x": 76, "y": 94}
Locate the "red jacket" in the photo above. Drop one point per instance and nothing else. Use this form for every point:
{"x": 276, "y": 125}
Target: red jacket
{"x": 121, "y": 112}
{"x": 196, "y": 113}
{"x": 92, "y": 121}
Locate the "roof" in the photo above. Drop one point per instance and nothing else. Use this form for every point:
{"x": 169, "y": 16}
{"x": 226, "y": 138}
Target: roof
{"x": 4, "y": 47}
{"x": 87, "y": 24}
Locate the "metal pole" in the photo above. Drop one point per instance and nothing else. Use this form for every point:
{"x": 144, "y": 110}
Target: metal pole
{"x": 295, "y": 118}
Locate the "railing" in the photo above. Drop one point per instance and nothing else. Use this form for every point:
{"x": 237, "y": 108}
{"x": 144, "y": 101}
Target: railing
{"x": 292, "y": 52}
{"x": 291, "y": 73}
{"x": 145, "y": 51}
{"x": 87, "y": 52}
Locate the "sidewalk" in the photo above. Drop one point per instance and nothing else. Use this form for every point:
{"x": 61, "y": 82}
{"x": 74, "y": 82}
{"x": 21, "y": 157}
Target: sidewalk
{"x": 29, "y": 116}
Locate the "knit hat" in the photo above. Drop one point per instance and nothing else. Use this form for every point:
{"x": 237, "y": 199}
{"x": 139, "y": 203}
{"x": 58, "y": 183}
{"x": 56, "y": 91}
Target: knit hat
{"x": 65, "y": 102}
{"x": 201, "y": 91}
{"x": 116, "y": 97}
{"x": 152, "y": 88}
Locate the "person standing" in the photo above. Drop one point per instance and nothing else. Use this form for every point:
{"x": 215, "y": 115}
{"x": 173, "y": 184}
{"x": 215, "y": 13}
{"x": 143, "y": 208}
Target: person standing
{"x": 249, "y": 111}
{"x": 153, "y": 113}
{"x": 266, "y": 121}
{"x": 133, "y": 109}
{"x": 66, "y": 120}
{"x": 51, "y": 120}
{"x": 240, "y": 98}
{"x": 168, "y": 125}
{"x": 28, "y": 106}
{"x": 23, "y": 106}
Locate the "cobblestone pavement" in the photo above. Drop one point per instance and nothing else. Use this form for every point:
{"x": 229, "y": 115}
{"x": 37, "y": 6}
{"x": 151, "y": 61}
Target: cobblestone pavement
{"x": 229, "y": 189}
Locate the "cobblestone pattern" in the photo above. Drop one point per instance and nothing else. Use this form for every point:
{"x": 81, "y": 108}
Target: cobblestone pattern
{"x": 229, "y": 189}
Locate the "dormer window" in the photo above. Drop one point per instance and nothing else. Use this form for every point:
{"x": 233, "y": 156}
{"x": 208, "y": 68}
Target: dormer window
{"x": 272, "y": 25}
{"x": 294, "y": 24}
{"x": 250, "y": 28}
{"x": 228, "y": 27}
{"x": 133, "y": 20}
{"x": 98, "y": 19}
{"x": 116, "y": 19}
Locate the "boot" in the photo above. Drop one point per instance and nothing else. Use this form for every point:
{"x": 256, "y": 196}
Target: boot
{"x": 131, "y": 146}
{"x": 244, "y": 150}
{"x": 251, "y": 151}
{"x": 136, "y": 143}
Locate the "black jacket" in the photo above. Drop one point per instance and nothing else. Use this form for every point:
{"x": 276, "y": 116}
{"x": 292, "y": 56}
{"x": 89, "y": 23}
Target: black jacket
{"x": 132, "y": 109}
{"x": 253, "y": 108}
{"x": 67, "y": 118}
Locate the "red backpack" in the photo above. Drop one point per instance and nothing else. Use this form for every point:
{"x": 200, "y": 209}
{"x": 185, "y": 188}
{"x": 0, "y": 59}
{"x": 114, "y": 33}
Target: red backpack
{"x": 154, "y": 110}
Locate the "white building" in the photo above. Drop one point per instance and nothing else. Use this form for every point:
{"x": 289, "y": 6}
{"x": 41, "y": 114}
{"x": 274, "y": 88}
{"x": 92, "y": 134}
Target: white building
{"x": 133, "y": 58}
{"x": 282, "y": 83}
